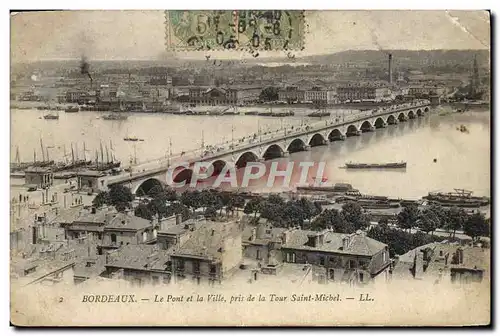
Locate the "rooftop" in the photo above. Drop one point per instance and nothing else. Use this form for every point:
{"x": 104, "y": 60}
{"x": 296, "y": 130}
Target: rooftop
{"x": 91, "y": 173}
{"x": 357, "y": 243}
{"x": 122, "y": 221}
{"x": 208, "y": 241}
{"x": 144, "y": 257}
{"x": 170, "y": 228}
{"x": 38, "y": 170}
{"x": 262, "y": 234}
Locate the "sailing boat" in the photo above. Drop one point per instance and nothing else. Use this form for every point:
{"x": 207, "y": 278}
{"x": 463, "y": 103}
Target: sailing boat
{"x": 51, "y": 116}
{"x": 130, "y": 138}
{"x": 110, "y": 162}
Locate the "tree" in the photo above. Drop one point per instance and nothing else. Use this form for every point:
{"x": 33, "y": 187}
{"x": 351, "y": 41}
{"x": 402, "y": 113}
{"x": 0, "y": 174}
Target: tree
{"x": 353, "y": 213}
{"x": 334, "y": 219}
{"x": 253, "y": 206}
{"x": 476, "y": 226}
{"x": 210, "y": 212}
{"x": 191, "y": 199}
{"x": 440, "y": 212}
{"x": 144, "y": 211}
{"x": 456, "y": 220}
{"x": 118, "y": 196}
{"x": 178, "y": 208}
{"x": 428, "y": 221}
{"x": 100, "y": 199}
{"x": 269, "y": 94}
{"x": 408, "y": 216}
{"x": 308, "y": 208}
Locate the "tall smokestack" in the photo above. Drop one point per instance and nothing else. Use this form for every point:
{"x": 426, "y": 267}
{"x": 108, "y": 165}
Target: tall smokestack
{"x": 390, "y": 68}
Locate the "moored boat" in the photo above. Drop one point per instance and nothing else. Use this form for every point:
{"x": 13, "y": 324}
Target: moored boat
{"x": 114, "y": 117}
{"x": 51, "y": 117}
{"x": 72, "y": 109}
{"x": 351, "y": 165}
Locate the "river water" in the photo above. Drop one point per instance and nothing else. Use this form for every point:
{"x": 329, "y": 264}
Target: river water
{"x": 462, "y": 159}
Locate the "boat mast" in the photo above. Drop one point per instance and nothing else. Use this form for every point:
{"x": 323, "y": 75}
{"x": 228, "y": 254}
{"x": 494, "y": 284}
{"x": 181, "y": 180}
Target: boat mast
{"x": 18, "y": 160}
{"x": 96, "y": 159}
{"x": 76, "y": 151}
{"x": 43, "y": 151}
{"x": 102, "y": 151}
{"x": 72, "y": 154}
{"x": 107, "y": 154}
{"x": 135, "y": 154}
{"x": 65, "y": 155}
{"x": 84, "y": 154}
{"x": 34, "y": 156}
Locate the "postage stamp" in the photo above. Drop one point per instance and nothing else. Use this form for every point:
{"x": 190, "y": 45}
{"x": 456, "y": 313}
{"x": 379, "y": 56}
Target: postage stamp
{"x": 240, "y": 30}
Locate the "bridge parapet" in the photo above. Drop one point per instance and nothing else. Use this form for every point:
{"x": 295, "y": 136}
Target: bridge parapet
{"x": 259, "y": 143}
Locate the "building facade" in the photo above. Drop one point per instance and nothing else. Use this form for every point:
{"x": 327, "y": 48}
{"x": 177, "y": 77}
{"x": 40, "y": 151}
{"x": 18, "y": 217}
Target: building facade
{"x": 363, "y": 93}
{"x": 345, "y": 258}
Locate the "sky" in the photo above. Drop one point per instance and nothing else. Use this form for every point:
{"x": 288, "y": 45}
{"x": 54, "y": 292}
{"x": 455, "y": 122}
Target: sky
{"x": 119, "y": 35}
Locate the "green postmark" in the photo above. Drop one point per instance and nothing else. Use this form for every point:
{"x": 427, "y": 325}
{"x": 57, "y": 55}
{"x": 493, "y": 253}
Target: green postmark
{"x": 201, "y": 30}
{"x": 271, "y": 29}
{"x": 238, "y": 29}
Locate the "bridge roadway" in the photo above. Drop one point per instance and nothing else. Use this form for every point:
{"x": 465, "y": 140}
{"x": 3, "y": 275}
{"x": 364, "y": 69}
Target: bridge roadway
{"x": 321, "y": 132}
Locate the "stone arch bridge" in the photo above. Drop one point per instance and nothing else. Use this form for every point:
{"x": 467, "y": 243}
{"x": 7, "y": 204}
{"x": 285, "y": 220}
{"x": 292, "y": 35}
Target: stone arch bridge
{"x": 276, "y": 145}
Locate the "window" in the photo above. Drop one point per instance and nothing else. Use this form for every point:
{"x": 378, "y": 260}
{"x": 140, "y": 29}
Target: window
{"x": 322, "y": 261}
{"x": 361, "y": 277}
{"x": 196, "y": 266}
{"x": 258, "y": 254}
{"x": 331, "y": 274}
{"x": 290, "y": 257}
{"x": 113, "y": 238}
{"x": 213, "y": 269}
{"x": 352, "y": 264}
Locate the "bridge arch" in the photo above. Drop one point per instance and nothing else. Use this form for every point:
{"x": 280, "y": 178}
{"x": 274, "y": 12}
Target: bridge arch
{"x": 145, "y": 187}
{"x": 245, "y": 158}
{"x": 184, "y": 175}
{"x": 335, "y": 134}
{"x": 411, "y": 114}
{"x": 352, "y": 130}
{"x": 426, "y": 109}
{"x": 297, "y": 145}
{"x": 402, "y": 116}
{"x": 419, "y": 112}
{"x": 391, "y": 120}
{"x": 316, "y": 140}
{"x": 379, "y": 123}
{"x": 273, "y": 151}
{"x": 366, "y": 126}
{"x": 218, "y": 165}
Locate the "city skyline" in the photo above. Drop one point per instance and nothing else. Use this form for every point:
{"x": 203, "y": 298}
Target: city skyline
{"x": 69, "y": 34}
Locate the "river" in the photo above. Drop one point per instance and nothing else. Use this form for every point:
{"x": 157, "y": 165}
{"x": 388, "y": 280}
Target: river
{"x": 462, "y": 159}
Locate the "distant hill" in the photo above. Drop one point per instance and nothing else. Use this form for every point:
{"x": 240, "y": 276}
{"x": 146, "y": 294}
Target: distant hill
{"x": 402, "y": 57}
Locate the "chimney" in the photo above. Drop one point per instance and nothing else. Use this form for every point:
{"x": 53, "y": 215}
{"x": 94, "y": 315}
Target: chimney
{"x": 345, "y": 242}
{"x": 178, "y": 219}
{"x": 254, "y": 234}
{"x": 390, "y": 68}
{"x": 35, "y": 234}
{"x": 460, "y": 254}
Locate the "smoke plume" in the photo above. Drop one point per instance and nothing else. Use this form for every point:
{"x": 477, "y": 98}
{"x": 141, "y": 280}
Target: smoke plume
{"x": 85, "y": 67}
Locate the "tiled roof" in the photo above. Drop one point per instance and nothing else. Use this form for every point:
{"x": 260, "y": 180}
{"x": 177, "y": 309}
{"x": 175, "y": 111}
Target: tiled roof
{"x": 127, "y": 222}
{"x": 139, "y": 257}
{"x": 359, "y": 243}
{"x": 208, "y": 240}
{"x": 90, "y": 267}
